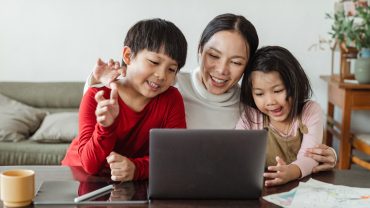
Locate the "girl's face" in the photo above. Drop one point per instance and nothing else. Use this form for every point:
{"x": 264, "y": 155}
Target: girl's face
{"x": 150, "y": 73}
{"x": 223, "y": 61}
{"x": 269, "y": 94}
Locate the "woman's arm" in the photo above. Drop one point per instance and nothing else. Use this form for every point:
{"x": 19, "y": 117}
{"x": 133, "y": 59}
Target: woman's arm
{"x": 325, "y": 155}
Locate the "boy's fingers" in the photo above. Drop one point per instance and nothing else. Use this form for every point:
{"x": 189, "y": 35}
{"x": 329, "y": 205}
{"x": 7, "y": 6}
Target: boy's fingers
{"x": 122, "y": 71}
{"x": 99, "y": 96}
{"x": 111, "y": 62}
{"x": 113, "y": 92}
{"x": 100, "y": 62}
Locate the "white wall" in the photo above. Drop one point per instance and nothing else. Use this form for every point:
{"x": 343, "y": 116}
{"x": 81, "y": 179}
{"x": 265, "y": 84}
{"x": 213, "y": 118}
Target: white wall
{"x": 60, "y": 40}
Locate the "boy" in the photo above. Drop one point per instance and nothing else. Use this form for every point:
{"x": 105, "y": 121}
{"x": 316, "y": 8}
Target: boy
{"x": 114, "y": 123}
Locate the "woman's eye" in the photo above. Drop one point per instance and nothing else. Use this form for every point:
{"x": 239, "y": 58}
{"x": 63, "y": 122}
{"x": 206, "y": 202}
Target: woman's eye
{"x": 278, "y": 91}
{"x": 236, "y": 63}
{"x": 258, "y": 94}
{"x": 213, "y": 56}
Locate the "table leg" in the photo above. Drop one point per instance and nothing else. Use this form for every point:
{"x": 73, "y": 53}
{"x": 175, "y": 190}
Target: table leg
{"x": 344, "y": 143}
{"x": 328, "y": 134}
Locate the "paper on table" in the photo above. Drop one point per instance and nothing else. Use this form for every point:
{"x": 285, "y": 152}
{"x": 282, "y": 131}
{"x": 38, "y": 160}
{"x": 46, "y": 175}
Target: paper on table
{"x": 318, "y": 194}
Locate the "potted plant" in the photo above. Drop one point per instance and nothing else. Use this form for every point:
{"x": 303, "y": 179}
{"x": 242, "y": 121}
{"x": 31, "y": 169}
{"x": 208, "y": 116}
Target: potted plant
{"x": 351, "y": 29}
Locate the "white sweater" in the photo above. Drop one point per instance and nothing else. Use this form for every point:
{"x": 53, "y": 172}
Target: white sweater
{"x": 205, "y": 110}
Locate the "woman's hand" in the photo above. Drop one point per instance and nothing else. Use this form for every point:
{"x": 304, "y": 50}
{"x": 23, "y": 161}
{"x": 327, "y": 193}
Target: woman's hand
{"x": 106, "y": 73}
{"x": 281, "y": 173}
{"x": 107, "y": 109}
{"x": 324, "y": 155}
{"x": 122, "y": 169}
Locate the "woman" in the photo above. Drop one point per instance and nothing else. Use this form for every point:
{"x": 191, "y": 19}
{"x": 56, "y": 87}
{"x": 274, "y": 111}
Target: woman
{"x": 211, "y": 92}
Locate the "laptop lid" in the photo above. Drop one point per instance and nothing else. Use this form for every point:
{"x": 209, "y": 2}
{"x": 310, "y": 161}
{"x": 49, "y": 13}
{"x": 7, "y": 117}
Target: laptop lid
{"x": 206, "y": 164}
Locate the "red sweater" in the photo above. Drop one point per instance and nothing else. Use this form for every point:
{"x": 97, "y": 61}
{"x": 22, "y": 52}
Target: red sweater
{"x": 128, "y": 135}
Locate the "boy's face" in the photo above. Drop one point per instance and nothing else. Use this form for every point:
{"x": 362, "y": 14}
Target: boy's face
{"x": 151, "y": 73}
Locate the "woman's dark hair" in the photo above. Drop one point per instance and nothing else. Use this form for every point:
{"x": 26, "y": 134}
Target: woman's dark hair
{"x": 231, "y": 22}
{"x": 279, "y": 59}
{"x": 153, "y": 34}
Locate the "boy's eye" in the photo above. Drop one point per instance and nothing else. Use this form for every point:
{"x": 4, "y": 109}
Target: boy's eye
{"x": 172, "y": 69}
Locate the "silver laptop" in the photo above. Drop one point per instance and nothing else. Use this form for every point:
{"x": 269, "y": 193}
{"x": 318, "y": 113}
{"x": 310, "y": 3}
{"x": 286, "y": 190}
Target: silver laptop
{"x": 206, "y": 164}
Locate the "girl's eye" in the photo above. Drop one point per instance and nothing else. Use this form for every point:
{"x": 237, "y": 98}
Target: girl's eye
{"x": 153, "y": 62}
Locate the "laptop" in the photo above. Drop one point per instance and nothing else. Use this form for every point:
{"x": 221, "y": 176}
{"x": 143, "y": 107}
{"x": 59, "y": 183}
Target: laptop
{"x": 206, "y": 164}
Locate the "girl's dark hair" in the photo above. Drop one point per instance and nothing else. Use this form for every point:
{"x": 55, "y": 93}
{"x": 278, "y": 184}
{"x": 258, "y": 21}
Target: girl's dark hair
{"x": 279, "y": 59}
{"x": 153, "y": 34}
{"x": 231, "y": 22}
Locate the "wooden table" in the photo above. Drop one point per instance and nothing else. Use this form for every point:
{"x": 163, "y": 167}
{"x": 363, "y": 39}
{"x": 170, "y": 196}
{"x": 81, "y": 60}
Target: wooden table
{"x": 340, "y": 177}
{"x": 348, "y": 97}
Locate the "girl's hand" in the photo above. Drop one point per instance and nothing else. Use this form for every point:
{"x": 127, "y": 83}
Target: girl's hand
{"x": 282, "y": 173}
{"x": 324, "y": 155}
{"x": 106, "y": 73}
{"x": 122, "y": 169}
{"x": 107, "y": 109}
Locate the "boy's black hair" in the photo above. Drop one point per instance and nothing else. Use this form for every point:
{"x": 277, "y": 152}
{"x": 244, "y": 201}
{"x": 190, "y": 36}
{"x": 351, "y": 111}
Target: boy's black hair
{"x": 153, "y": 34}
{"x": 231, "y": 22}
{"x": 279, "y": 59}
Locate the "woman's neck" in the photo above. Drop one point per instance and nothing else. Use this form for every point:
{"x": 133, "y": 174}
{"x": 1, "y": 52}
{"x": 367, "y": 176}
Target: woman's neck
{"x": 131, "y": 97}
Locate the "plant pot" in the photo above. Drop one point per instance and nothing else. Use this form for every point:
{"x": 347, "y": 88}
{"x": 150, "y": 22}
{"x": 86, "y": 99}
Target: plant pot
{"x": 364, "y": 53}
{"x": 362, "y": 70}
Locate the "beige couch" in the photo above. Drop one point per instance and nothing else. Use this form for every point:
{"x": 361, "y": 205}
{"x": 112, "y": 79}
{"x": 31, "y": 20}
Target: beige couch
{"x": 53, "y": 98}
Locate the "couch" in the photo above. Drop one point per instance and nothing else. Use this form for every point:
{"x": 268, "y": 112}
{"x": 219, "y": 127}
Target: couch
{"x": 47, "y": 99}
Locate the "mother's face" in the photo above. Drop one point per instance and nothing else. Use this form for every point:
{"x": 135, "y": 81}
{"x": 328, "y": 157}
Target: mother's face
{"x": 223, "y": 61}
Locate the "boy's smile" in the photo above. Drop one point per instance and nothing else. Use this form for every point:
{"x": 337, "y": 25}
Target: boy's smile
{"x": 148, "y": 75}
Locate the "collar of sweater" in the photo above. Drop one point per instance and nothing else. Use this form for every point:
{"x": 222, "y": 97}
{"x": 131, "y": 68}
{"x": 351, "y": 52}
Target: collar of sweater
{"x": 231, "y": 97}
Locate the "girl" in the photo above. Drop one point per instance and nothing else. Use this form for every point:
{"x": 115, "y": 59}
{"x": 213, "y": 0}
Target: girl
{"x": 275, "y": 92}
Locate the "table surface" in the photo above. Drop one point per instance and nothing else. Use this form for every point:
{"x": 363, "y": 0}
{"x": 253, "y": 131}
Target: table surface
{"x": 355, "y": 178}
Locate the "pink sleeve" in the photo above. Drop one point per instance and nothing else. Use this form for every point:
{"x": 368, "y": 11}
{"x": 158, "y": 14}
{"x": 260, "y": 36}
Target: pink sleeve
{"x": 312, "y": 117}
{"x": 257, "y": 121}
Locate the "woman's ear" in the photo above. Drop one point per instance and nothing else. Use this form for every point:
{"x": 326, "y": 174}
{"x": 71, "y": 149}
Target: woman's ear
{"x": 126, "y": 55}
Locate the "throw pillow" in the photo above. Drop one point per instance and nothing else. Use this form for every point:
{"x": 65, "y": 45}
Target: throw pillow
{"x": 17, "y": 120}
{"x": 57, "y": 128}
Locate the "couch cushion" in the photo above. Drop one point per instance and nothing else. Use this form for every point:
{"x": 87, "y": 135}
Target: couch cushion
{"x": 28, "y": 152}
{"x": 18, "y": 121}
{"x": 57, "y": 128}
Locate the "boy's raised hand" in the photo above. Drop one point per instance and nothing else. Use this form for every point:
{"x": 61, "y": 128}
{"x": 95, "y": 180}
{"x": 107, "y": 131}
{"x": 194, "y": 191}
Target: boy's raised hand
{"x": 281, "y": 173}
{"x": 107, "y": 109}
{"x": 106, "y": 73}
{"x": 122, "y": 169}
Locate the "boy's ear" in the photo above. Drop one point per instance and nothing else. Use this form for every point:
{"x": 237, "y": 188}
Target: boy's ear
{"x": 126, "y": 55}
